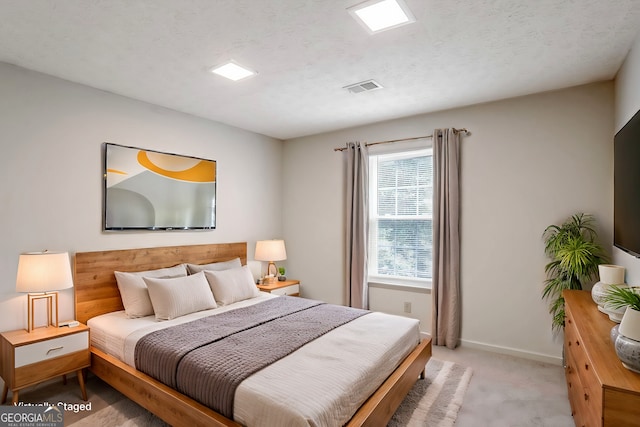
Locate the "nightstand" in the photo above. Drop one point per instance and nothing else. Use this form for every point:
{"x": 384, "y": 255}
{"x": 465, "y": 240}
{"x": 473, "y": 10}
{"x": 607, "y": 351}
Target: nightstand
{"x": 30, "y": 358}
{"x": 286, "y": 287}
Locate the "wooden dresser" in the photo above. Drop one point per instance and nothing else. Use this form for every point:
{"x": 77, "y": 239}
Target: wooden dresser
{"x": 602, "y": 392}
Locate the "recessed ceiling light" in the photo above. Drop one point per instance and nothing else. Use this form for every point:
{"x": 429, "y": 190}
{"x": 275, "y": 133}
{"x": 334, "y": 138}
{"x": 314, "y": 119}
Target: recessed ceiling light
{"x": 233, "y": 71}
{"x": 380, "y": 15}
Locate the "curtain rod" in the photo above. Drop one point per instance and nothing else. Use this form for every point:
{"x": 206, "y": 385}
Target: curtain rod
{"x": 368, "y": 144}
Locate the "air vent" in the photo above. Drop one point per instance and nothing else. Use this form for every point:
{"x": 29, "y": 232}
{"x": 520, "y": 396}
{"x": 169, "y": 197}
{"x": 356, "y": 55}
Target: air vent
{"x": 365, "y": 86}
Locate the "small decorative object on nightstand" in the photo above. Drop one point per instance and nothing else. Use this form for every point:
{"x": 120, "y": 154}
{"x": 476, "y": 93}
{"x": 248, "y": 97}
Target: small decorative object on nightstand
{"x": 29, "y": 358}
{"x": 287, "y": 287}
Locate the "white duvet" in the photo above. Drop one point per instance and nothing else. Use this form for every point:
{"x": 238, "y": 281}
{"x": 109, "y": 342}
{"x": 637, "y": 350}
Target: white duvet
{"x": 321, "y": 384}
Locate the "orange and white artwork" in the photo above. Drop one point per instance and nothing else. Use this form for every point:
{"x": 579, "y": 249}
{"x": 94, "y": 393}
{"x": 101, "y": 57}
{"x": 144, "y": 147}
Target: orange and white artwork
{"x": 146, "y": 189}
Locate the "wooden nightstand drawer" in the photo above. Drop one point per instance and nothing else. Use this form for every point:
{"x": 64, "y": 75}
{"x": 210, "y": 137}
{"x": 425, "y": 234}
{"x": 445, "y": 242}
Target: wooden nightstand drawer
{"x": 35, "y": 373}
{"x": 286, "y": 287}
{"x": 50, "y": 349}
{"x": 288, "y": 290}
{"x": 29, "y": 358}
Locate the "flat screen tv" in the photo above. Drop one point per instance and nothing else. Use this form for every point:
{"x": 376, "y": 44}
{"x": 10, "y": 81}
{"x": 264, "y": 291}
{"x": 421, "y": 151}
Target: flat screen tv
{"x": 626, "y": 193}
{"x": 150, "y": 190}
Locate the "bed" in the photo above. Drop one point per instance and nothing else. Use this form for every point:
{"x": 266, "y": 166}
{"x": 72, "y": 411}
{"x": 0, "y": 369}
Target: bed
{"x": 97, "y": 294}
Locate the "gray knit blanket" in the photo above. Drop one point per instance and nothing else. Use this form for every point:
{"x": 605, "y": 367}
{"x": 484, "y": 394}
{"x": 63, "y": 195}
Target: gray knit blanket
{"x": 208, "y": 358}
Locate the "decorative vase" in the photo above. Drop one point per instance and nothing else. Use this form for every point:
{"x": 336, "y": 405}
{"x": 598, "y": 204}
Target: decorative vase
{"x": 630, "y": 324}
{"x": 615, "y": 314}
{"x": 611, "y": 274}
{"x": 598, "y": 292}
{"x": 613, "y": 334}
{"x": 628, "y": 351}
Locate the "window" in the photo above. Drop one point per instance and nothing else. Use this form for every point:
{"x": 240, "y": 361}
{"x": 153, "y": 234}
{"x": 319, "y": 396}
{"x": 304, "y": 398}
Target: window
{"x": 400, "y": 216}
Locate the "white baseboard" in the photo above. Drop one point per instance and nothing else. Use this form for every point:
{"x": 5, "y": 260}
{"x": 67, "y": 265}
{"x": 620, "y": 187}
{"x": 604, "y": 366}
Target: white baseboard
{"x": 538, "y": 357}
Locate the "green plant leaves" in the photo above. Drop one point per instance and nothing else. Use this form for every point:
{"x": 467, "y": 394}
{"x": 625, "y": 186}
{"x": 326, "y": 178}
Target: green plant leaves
{"x": 575, "y": 255}
{"x": 619, "y": 297}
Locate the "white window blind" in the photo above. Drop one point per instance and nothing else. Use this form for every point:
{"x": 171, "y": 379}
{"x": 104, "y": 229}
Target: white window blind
{"x": 400, "y": 231}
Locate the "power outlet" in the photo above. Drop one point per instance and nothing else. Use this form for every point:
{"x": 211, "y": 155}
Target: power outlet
{"x": 407, "y": 307}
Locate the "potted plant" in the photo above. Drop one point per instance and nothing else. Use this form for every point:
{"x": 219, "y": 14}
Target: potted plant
{"x": 575, "y": 255}
{"x": 626, "y": 336}
{"x": 620, "y": 297}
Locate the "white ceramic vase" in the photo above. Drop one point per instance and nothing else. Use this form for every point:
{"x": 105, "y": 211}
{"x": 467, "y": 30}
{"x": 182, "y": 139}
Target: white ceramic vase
{"x": 628, "y": 352}
{"x": 626, "y": 339}
{"x": 630, "y": 324}
{"x": 598, "y": 292}
{"x": 615, "y": 314}
{"x": 611, "y": 274}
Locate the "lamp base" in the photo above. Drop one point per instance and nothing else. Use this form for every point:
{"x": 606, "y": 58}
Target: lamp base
{"x": 272, "y": 270}
{"x": 51, "y": 308}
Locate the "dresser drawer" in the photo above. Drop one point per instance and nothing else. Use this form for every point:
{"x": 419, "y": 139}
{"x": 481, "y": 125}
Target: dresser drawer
{"x": 574, "y": 386}
{"x": 592, "y": 389}
{"x": 287, "y": 290}
{"x": 584, "y": 395}
{"x": 50, "y": 349}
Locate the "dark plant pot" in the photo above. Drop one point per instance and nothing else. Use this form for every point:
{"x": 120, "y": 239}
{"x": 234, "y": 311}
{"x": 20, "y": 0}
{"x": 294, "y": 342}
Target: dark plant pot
{"x": 282, "y": 278}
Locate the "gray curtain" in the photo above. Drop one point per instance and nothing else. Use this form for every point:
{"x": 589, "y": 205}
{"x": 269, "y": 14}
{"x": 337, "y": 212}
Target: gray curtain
{"x": 445, "y": 293}
{"x": 357, "y": 180}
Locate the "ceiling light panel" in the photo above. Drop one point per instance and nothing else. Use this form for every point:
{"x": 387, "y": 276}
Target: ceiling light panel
{"x": 233, "y": 71}
{"x": 381, "y": 15}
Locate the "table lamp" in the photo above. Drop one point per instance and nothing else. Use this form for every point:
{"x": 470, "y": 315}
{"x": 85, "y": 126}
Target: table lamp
{"x": 41, "y": 275}
{"x": 270, "y": 250}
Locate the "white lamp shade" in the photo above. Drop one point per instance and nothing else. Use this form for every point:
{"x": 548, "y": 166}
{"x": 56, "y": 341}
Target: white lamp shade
{"x": 43, "y": 272}
{"x": 270, "y": 250}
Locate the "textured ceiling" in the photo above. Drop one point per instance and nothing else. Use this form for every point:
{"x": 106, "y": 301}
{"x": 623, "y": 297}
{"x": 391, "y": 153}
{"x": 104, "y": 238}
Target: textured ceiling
{"x": 459, "y": 52}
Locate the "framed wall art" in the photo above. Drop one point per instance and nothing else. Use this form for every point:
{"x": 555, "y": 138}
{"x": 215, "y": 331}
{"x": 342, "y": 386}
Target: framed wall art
{"x": 150, "y": 190}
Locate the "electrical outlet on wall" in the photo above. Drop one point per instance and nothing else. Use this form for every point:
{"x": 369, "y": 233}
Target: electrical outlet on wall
{"x": 407, "y": 307}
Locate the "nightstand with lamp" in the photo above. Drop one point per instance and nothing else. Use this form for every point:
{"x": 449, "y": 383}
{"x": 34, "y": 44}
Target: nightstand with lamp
{"x": 35, "y": 355}
{"x": 271, "y": 251}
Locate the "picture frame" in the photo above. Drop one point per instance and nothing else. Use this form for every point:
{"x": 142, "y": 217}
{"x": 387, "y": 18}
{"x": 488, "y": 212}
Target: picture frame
{"x": 151, "y": 190}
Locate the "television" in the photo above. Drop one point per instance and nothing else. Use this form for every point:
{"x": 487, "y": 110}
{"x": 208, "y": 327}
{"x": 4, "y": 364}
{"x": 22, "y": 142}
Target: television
{"x": 626, "y": 192}
{"x": 151, "y": 190}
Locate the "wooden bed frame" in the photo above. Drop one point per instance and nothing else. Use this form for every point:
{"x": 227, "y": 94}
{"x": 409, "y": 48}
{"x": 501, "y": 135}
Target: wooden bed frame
{"x": 96, "y": 292}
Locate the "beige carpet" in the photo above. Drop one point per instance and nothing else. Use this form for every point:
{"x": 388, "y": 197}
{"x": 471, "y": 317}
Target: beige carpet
{"x": 433, "y": 402}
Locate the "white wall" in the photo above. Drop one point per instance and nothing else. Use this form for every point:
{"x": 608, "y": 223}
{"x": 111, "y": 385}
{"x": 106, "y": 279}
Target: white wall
{"x": 530, "y": 162}
{"x": 627, "y": 91}
{"x": 51, "y": 133}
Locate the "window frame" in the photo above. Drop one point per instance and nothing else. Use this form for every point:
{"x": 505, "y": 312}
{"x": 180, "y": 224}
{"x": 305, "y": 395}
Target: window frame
{"x": 407, "y": 150}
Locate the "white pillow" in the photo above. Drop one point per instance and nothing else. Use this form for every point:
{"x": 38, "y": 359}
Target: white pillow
{"x": 176, "y": 297}
{"x": 229, "y": 286}
{"x": 133, "y": 290}
{"x": 215, "y": 266}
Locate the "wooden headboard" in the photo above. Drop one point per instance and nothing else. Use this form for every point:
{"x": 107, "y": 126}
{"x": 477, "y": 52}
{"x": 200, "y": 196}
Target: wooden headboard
{"x": 96, "y": 290}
